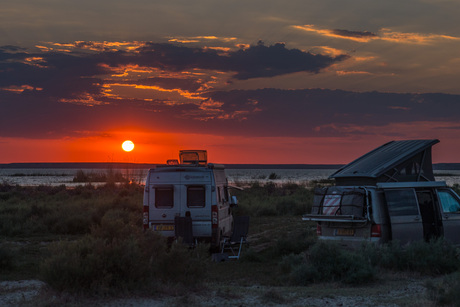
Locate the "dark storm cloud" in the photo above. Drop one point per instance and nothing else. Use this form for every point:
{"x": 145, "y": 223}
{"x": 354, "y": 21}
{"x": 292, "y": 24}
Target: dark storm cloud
{"x": 40, "y": 92}
{"x": 255, "y": 62}
{"x": 12, "y": 48}
{"x": 315, "y": 112}
{"x": 67, "y": 73}
{"x": 267, "y": 112}
{"x": 59, "y": 75}
{"x": 355, "y": 34}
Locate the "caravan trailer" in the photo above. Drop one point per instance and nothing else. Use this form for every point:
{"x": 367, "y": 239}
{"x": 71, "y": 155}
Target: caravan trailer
{"x": 192, "y": 188}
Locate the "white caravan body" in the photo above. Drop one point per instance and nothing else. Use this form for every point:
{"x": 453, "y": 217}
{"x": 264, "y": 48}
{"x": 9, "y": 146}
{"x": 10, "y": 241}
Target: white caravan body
{"x": 192, "y": 188}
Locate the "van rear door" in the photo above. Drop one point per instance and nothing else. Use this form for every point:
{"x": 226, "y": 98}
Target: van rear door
{"x": 164, "y": 201}
{"x": 196, "y": 193}
{"x": 403, "y": 210}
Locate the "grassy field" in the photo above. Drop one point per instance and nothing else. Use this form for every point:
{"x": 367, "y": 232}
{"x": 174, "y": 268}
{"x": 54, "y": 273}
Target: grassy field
{"x": 88, "y": 241}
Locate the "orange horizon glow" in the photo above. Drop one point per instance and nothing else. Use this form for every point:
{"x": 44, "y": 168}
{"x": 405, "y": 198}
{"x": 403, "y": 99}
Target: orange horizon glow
{"x": 153, "y": 148}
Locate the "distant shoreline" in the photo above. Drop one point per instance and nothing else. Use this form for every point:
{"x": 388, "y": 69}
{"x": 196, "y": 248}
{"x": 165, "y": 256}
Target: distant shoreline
{"x": 121, "y": 165}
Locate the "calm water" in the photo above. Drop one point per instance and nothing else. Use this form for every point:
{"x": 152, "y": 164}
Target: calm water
{"x": 54, "y": 176}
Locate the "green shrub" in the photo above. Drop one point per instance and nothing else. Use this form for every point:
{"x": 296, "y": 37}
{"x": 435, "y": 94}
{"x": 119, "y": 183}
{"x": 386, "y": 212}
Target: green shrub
{"x": 46, "y": 210}
{"x": 445, "y": 291}
{"x": 434, "y": 258}
{"x": 294, "y": 243}
{"x": 250, "y": 255}
{"x": 327, "y": 262}
{"x": 290, "y": 262}
{"x": 117, "y": 256}
{"x": 6, "y": 259}
{"x": 110, "y": 176}
{"x": 273, "y": 200}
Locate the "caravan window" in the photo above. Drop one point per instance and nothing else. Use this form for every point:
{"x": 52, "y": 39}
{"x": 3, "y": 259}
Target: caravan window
{"x": 449, "y": 202}
{"x": 164, "y": 197}
{"x": 196, "y": 196}
{"x": 401, "y": 202}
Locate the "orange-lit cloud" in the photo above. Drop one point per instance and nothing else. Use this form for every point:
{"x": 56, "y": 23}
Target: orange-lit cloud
{"x": 85, "y": 99}
{"x": 20, "y": 89}
{"x": 170, "y": 93}
{"x": 197, "y": 39}
{"x": 136, "y": 91}
{"x": 346, "y": 73}
{"x": 413, "y": 38}
{"x": 383, "y": 34}
{"x": 359, "y": 36}
{"x": 96, "y": 46}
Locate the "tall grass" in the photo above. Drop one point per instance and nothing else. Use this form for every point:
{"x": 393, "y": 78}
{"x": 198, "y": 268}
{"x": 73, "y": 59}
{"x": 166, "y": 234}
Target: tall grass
{"x": 6, "y": 259}
{"x": 445, "y": 291}
{"x": 436, "y": 257}
{"x": 102, "y": 250}
{"x": 110, "y": 176}
{"x": 273, "y": 200}
{"x": 114, "y": 255}
{"x": 46, "y": 210}
{"x": 127, "y": 261}
{"x": 326, "y": 261}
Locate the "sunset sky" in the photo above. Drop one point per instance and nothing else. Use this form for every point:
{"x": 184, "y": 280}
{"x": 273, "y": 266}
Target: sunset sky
{"x": 270, "y": 81}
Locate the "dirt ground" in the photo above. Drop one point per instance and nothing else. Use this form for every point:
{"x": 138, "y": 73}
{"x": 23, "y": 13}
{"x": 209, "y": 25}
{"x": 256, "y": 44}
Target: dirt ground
{"x": 396, "y": 292}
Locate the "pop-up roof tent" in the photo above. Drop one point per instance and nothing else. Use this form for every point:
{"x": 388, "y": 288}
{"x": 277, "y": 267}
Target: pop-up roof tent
{"x": 394, "y": 161}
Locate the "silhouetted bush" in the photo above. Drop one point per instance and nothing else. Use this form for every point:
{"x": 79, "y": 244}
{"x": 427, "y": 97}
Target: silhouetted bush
{"x": 445, "y": 291}
{"x": 435, "y": 257}
{"x": 327, "y": 262}
{"x": 6, "y": 259}
{"x": 46, "y": 210}
{"x": 116, "y": 257}
{"x": 273, "y": 200}
{"x": 295, "y": 243}
{"x": 110, "y": 176}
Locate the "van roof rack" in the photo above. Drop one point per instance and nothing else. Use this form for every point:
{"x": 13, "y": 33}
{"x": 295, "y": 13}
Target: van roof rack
{"x": 193, "y": 157}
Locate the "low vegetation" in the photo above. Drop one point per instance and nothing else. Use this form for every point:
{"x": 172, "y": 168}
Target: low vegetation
{"x": 109, "y": 176}
{"x": 89, "y": 240}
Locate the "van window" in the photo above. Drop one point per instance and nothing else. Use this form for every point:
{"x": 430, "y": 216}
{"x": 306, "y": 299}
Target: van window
{"x": 196, "y": 196}
{"x": 164, "y": 197}
{"x": 449, "y": 202}
{"x": 401, "y": 202}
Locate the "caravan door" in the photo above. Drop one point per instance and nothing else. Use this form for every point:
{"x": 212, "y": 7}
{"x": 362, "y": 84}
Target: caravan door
{"x": 405, "y": 218}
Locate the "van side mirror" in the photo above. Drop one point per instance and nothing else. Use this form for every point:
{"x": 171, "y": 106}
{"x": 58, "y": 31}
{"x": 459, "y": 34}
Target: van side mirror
{"x": 233, "y": 201}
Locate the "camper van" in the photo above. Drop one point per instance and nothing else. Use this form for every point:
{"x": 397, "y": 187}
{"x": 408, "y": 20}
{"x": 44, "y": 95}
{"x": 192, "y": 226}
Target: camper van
{"x": 388, "y": 194}
{"x": 191, "y": 188}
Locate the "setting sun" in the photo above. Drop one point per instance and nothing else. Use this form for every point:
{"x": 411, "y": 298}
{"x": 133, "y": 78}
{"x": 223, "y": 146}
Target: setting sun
{"x": 127, "y": 145}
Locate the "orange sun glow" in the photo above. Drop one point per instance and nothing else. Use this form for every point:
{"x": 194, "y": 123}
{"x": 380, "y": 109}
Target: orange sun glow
{"x": 127, "y": 145}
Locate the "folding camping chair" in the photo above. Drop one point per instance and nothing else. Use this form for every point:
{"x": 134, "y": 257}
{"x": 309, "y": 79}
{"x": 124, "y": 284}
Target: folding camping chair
{"x": 235, "y": 243}
{"x": 183, "y": 229}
